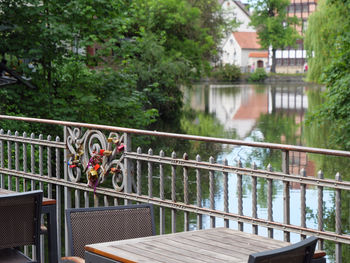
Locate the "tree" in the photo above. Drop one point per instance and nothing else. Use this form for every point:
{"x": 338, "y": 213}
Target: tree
{"x": 275, "y": 28}
{"x": 324, "y": 26}
{"x": 153, "y": 47}
{"x": 334, "y": 112}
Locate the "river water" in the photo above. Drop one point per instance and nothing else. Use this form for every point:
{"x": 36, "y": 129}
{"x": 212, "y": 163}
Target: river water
{"x": 268, "y": 113}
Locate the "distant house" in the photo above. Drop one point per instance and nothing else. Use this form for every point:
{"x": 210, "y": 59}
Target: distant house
{"x": 244, "y": 50}
{"x": 241, "y": 48}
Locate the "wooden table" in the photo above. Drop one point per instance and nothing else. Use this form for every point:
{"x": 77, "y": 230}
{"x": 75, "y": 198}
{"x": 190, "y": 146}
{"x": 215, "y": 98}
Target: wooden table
{"x": 211, "y": 245}
{"x": 49, "y": 209}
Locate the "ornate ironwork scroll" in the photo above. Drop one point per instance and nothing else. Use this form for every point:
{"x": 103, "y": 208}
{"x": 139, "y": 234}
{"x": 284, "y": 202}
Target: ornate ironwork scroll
{"x": 95, "y": 156}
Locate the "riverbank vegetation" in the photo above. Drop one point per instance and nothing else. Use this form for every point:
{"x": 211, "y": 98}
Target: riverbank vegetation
{"x": 143, "y": 52}
{"x": 328, "y": 44}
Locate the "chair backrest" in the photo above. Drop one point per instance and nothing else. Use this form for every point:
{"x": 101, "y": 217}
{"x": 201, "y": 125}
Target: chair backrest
{"x": 20, "y": 219}
{"x": 300, "y": 252}
{"x": 105, "y": 224}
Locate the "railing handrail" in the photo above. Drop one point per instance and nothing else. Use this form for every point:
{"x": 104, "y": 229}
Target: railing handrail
{"x": 284, "y": 147}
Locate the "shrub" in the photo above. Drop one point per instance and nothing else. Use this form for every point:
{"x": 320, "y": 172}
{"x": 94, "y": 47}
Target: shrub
{"x": 227, "y": 72}
{"x": 258, "y": 75}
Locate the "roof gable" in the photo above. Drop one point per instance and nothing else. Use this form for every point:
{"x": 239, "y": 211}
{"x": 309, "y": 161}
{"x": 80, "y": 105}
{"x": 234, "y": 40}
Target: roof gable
{"x": 247, "y": 40}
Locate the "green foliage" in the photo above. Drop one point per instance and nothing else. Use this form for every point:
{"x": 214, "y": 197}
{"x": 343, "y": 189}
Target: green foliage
{"x": 227, "y": 72}
{"x": 201, "y": 124}
{"x": 153, "y": 46}
{"x": 274, "y": 26}
{"x": 189, "y": 29}
{"x": 334, "y": 112}
{"x": 324, "y": 26}
{"x": 258, "y": 75}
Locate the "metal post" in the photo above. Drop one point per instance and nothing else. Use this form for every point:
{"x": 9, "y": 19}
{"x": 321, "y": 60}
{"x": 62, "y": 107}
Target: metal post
{"x": 286, "y": 196}
{"x": 127, "y": 164}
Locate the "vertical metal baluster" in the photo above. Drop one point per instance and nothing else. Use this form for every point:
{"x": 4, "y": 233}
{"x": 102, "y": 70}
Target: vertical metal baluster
{"x": 41, "y": 187}
{"x": 211, "y": 193}
{"x": 150, "y": 176}
{"x": 17, "y": 161}
{"x": 105, "y": 201}
{"x": 127, "y": 165}
{"x": 186, "y": 200}
{"x": 303, "y": 203}
{"x": 32, "y": 170}
{"x": 161, "y": 195}
{"x": 138, "y": 172}
{"x": 87, "y": 199}
{"x": 320, "y": 210}
{"x": 2, "y": 176}
{"x": 25, "y": 163}
{"x": 77, "y": 199}
{"x": 286, "y": 194}
{"x": 41, "y": 172}
{"x": 9, "y": 160}
{"x": 269, "y": 202}
{"x": 338, "y": 246}
{"x": 67, "y": 191}
{"x": 199, "y": 195}
{"x": 226, "y": 221}
{"x": 173, "y": 194}
{"x": 49, "y": 168}
{"x": 58, "y": 198}
{"x": 32, "y": 162}
{"x": 96, "y": 200}
{"x": 240, "y": 196}
{"x": 24, "y": 146}
{"x": 254, "y": 200}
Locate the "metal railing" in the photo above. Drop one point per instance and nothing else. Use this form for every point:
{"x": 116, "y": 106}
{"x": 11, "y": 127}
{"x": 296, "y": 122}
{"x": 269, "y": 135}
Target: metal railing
{"x": 95, "y": 165}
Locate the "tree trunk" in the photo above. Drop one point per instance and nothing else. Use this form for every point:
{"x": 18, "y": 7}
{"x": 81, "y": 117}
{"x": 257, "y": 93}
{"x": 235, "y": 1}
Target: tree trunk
{"x": 273, "y": 67}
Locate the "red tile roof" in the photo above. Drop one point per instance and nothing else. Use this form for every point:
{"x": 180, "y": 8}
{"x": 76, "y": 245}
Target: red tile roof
{"x": 259, "y": 55}
{"x": 247, "y": 40}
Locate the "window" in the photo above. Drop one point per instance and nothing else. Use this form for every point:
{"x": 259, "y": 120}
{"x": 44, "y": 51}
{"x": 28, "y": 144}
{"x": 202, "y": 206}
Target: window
{"x": 304, "y": 25}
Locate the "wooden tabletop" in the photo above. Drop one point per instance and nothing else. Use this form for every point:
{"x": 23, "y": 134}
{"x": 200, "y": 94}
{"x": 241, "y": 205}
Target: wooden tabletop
{"x": 210, "y": 245}
{"x": 46, "y": 201}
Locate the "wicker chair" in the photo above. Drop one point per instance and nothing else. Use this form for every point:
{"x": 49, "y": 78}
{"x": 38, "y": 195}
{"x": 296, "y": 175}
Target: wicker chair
{"x": 19, "y": 225}
{"x": 105, "y": 224}
{"x": 301, "y": 252}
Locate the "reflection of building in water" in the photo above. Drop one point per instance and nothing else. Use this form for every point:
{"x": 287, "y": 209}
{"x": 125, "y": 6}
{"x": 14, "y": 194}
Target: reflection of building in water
{"x": 298, "y": 161}
{"x": 237, "y": 108}
{"x": 292, "y": 100}
{"x": 288, "y": 100}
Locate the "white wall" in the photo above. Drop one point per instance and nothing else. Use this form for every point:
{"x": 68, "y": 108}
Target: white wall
{"x": 245, "y": 57}
{"x": 231, "y": 52}
{"x": 231, "y": 10}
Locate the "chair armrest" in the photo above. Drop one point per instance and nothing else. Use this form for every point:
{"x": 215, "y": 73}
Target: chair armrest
{"x": 319, "y": 254}
{"x": 72, "y": 260}
{"x": 319, "y": 257}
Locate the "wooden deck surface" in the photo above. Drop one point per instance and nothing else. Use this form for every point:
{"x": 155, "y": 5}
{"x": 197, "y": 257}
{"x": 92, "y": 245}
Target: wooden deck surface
{"x": 211, "y": 245}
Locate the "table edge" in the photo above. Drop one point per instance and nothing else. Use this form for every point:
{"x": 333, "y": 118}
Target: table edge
{"x": 107, "y": 255}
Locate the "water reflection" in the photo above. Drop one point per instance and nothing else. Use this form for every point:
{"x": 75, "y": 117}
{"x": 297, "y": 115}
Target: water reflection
{"x": 270, "y": 113}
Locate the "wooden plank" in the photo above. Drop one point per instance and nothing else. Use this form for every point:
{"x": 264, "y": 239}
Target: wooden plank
{"x": 180, "y": 251}
{"x": 187, "y": 247}
{"x": 211, "y": 245}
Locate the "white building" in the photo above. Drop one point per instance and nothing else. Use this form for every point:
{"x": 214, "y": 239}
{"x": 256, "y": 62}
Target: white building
{"x": 241, "y": 47}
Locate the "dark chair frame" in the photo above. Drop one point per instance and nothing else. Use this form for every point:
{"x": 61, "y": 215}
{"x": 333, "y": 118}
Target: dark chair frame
{"x": 309, "y": 244}
{"x": 91, "y": 209}
{"x": 13, "y": 248}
